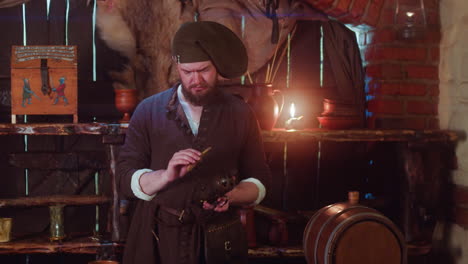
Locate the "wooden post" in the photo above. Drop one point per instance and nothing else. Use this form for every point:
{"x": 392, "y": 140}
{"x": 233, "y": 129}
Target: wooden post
{"x": 115, "y": 195}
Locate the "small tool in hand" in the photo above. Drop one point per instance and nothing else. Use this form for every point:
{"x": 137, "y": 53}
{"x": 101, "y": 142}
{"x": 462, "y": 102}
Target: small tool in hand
{"x": 191, "y": 166}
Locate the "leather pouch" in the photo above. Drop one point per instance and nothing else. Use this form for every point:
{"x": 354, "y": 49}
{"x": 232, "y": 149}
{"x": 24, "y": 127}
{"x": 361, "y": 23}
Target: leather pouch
{"x": 225, "y": 242}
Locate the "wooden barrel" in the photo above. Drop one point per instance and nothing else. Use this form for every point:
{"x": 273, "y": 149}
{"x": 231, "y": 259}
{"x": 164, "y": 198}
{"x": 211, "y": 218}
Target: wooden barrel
{"x": 345, "y": 233}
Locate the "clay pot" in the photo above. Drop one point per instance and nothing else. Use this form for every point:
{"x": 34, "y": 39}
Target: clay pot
{"x": 266, "y": 109}
{"x": 338, "y": 108}
{"x": 125, "y": 102}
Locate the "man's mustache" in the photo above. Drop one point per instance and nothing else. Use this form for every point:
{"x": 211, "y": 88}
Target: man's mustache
{"x": 199, "y": 85}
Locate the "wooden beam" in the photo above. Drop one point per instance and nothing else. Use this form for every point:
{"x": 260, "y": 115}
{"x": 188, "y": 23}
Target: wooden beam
{"x": 281, "y": 135}
{"x": 63, "y": 129}
{"x": 54, "y": 200}
{"x": 276, "y": 135}
{"x": 81, "y": 245}
{"x": 276, "y": 252}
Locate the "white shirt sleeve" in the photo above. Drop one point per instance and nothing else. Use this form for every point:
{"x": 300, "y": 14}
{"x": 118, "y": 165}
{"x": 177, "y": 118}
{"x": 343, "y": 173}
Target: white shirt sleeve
{"x": 261, "y": 189}
{"x": 136, "y": 188}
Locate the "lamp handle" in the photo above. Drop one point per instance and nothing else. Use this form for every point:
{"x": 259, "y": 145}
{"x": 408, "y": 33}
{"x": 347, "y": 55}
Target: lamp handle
{"x": 282, "y": 100}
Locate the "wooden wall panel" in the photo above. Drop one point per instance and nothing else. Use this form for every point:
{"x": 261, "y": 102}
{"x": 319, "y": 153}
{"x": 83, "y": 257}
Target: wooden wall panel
{"x": 12, "y": 34}
{"x": 80, "y": 34}
{"x": 56, "y": 23}
{"x": 36, "y": 23}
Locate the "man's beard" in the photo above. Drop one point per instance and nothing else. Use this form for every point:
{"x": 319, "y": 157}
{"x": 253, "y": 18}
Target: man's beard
{"x": 200, "y": 99}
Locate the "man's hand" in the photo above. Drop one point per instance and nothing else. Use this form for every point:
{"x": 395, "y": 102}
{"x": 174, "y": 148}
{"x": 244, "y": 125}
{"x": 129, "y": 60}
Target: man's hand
{"x": 152, "y": 182}
{"x": 220, "y": 205}
{"x": 180, "y": 162}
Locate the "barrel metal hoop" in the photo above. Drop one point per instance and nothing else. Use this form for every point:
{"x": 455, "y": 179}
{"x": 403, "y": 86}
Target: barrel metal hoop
{"x": 310, "y": 224}
{"x": 330, "y": 246}
{"x": 327, "y": 222}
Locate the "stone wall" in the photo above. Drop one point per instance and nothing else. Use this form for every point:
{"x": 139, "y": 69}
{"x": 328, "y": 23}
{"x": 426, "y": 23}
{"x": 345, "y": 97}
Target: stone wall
{"x": 453, "y": 115}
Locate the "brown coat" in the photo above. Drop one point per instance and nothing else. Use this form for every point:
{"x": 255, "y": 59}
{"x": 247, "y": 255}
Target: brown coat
{"x": 157, "y": 130}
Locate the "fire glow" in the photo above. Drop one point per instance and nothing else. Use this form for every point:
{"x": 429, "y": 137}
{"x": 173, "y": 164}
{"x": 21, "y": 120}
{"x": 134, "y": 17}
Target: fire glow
{"x": 292, "y": 122}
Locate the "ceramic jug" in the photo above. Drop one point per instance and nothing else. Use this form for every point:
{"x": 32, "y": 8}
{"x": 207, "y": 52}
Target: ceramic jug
{"x": 265, "y": 106}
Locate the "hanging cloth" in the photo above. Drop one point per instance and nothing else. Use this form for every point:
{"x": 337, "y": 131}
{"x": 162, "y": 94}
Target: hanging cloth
{"x": 343, "y": 53}
{"x": 270, "y": 12}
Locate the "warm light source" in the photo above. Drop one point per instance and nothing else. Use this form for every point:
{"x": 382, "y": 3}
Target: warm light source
{"x": 411, "y": 19}
{"x": 292, "y": 110}
{"x": 292, "y": 122}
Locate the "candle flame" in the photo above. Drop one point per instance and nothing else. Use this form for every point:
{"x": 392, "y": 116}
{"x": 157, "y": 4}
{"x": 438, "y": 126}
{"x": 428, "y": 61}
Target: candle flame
{"x": 292, "y": 110}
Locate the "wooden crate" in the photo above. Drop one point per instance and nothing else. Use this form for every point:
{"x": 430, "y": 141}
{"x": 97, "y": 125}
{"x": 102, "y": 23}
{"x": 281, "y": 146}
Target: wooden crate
{"x": 44, "y": 81}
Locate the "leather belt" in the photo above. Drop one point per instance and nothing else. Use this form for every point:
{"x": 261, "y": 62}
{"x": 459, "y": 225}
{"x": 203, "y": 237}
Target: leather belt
{"x": 181, "y": 214}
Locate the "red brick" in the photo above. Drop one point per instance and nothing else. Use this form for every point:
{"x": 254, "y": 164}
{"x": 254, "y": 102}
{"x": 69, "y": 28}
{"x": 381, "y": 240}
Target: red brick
{"x": 374, "y": 71}
{"x": 369, "y": 53}
{"x": 390, "y": 4}
{"x": 380, "y": 106}
{"x": 423, "y": 37}
{"x": 422, "y": 72}
{"x": 421, "y": 107}
{"x": 400, "y": 53}
{"x": 396, "y": 88}
{"x": 387, "y": 17}
{"x": 408, "y": 2}
{"x": 412, "y": 89}
{"x": 371, "y": 122}
{"x": 435, "y": 52}
{"x": 460, "y": 216}
{"x": 386, "y": 35}
{"x": 400, "y": 123}
{"x": 460, "y": 194}
{"x": 433, "y": 90}
{"x": 433, "y": 123}
{"x": 340, "y": 8}
{"x": 385, "y": 71}
{"x": 372, "y": 13}
{"x": 382, "y": 88}
{"x": 431, "y": 4}
{"x": 432, "y": 17}
{"x": 433, "y": 36}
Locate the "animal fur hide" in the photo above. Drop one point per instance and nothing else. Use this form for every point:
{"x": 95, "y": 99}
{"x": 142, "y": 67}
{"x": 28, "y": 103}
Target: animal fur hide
{"x": 143, "y": 30}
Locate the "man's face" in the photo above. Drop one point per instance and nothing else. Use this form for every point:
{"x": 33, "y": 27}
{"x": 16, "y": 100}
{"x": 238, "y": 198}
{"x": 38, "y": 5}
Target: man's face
{"x": 198, "y": 81}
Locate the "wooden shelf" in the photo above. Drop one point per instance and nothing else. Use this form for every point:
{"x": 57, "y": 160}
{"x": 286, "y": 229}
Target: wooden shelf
{"x": 63, "y": 129}
{"x": 276, "y": 252}
{"x": 281, "y": 135}
{"x": 42, "y": 244}
{"x": 54, "y": 200}
{"x": 276, "y": 135}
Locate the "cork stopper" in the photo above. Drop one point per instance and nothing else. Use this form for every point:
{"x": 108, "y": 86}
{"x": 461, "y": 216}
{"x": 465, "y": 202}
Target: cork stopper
{"x": 353, "y": 197}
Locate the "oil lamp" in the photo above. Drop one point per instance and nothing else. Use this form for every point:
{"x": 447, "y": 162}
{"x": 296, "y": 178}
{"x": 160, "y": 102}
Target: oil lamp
{"x": 410, "y": 18}
{"x": 293, "y": 122}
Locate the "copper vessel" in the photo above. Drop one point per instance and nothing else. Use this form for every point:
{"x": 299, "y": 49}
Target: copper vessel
{"x": 125, "y": 101}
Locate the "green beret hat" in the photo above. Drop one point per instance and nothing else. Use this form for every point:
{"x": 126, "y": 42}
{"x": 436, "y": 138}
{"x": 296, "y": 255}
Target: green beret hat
{"x": 207, "y": 40}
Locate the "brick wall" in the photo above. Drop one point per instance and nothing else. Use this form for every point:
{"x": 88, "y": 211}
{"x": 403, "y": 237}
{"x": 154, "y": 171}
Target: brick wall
{"x": 402, "y": 73}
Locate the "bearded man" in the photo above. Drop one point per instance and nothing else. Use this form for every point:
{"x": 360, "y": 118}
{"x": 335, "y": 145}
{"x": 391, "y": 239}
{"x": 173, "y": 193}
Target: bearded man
{"x": 193, "y": 154}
